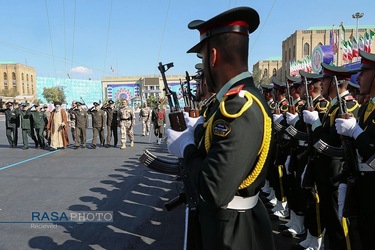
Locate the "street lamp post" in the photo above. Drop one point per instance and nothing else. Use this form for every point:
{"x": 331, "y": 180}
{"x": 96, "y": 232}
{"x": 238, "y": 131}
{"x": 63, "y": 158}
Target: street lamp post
{"x": 357, "y": 16}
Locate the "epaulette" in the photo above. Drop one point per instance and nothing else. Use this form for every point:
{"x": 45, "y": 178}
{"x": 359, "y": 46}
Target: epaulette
{"x": 322, "y": 104}
{"x": 235, "y": 90}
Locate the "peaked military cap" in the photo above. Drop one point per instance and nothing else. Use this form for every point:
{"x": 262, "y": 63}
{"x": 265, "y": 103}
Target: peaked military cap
{"x": 266, "y": 87}
{"x": 57, "y": 103}
{"x": 95, "y": 104}
{"x": 241, "y": 20}
{"x": 277, "y": 84}
{"x": 9, "y": 103}
{"x": 310, "y": 76}
{"x": 111, "y": 102}
{"x": 367, "y": 61}
{"x": 353, "y": 84}
{"x": 293, "y": 81}
{"x": 340, "y": 72}
{"x": 78, "y": 103}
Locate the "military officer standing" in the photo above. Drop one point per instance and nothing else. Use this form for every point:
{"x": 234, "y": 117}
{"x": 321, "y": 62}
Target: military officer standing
{"x": 72, "y": 120}
{"x": 112, "y": 127}
{"x": 325, "y": 166}
{"x": 158, "y": 120}
{"x": 40, "y": 121}
{"x": 98, "y": 124}
{"x": 126, "y": 121}
{"x": 226, "y": 165}
{"x": 12, "y": 123}
{"x": 27, "y": 126}
{"x": 81, "y": 124}
{"x": 144, "y": 116}
{"x": 363, "y": 133}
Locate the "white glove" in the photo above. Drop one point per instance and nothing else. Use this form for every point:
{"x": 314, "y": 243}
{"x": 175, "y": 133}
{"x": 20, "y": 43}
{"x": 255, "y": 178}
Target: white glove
{"x": 348, "y": 127}
{"x": 286, "y": 164}
{"x": 177, "y": 141}
{"x": 310, "y": 116}
{"x": 277, "y": 117}
{"x": 193, "y": 122}
{"x": 291, "y": 119}
{"x": 165, "y": 125}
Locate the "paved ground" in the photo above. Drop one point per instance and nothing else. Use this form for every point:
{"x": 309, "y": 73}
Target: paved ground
{"x": 71, "y": 181}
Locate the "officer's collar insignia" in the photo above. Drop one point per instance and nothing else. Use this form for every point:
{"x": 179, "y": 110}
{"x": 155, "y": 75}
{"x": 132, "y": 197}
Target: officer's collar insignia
{"x": 221, "y": 128}
{"x": 234, "y": 91}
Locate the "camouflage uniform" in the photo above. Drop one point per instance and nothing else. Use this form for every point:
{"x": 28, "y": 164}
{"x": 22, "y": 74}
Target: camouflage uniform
{"x": 126, "y": 120}
{"x": 144, "y": 116}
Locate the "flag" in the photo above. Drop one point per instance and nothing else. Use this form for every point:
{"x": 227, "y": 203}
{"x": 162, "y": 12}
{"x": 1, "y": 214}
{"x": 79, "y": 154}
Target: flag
{"x": 354, "y": 47}
{"x": 367, "y": 42}
{"x": 361, "y": 43}
{"x": 344, "y": 51}
{"x": 372, "y": 33}
{"x": 350, "y": 51}
{"x": 342, "y": 34}
{"x": 332, "y": 41}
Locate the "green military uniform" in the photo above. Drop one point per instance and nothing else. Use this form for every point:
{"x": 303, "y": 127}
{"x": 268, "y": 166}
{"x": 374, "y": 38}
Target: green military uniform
{"x": 40, "y": 121}
{"x": 81, "y": 124}
{"x": 112, "y": 124}
{"x": 12, "y": 123}
{"x": 98, "y": 124}
{"x": 27, "y": 127}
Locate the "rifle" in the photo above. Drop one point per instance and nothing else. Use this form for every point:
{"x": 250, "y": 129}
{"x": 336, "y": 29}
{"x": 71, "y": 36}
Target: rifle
{"x": 184, "y": 95}
{"x": 349, "y": 174}
{"x": 189, "y": 196}
{"x": 291, "y": 107}
{"x": 193, "y": 111}
{"x": 308, "y": 179}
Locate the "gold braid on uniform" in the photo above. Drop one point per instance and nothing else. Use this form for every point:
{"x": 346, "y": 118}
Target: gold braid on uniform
{"x": 267, "y": 132}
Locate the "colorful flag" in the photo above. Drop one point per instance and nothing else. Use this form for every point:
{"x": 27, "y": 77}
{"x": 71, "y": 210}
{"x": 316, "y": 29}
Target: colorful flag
{"x": 332, "y": 41}
{"x": 372, "y": 33}
{"x": 344, "y": 51}
{"x": 361, "y": 43}
{"x": 342, "y": 34}
{"x": 367, "y": 42}
{"x": 350, "y": 51}
{"x": 354, "y": 47}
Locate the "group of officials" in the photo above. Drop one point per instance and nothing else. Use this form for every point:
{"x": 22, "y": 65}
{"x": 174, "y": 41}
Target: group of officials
{"x": 49, "y": 130}
{"x": 304, "y": 148}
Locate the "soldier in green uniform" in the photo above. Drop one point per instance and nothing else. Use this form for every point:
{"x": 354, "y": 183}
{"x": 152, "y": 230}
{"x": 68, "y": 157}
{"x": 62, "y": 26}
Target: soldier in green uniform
{"x": 40, "y": 121}
{"x": 363, "y": 134}
{"x": 326, "y": 167}
{"x": 81, "y": 124}
{"x": 126, "y": 121}
{"x": 12, "y": 123}
{"x": 112, "y": 127}
{"x": 98, "y": 124}
{"x": 27, "y": 126}
{"x": 227, "y": 158}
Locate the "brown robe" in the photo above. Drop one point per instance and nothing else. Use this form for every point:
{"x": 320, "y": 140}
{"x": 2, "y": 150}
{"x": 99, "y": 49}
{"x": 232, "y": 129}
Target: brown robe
{"x": 64, "y": 131}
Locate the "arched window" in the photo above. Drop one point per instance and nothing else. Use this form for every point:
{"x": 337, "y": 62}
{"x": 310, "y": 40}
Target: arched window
{"x": 22, "y": 77}
{"x": 27, "y": 77}
{"x": 265, "y": 73}
{"x": 14, "y": 76}
{"x": 32, "y": 78}
{"x": 306, "y": 49}
{"x": 5, "y": 76}
{"x": 274, "y": 72}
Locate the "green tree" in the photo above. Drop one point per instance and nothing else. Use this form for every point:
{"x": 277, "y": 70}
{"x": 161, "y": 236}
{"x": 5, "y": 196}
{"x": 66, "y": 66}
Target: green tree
{"x": 9, "y": 92}
{"x": 54, "y": 94}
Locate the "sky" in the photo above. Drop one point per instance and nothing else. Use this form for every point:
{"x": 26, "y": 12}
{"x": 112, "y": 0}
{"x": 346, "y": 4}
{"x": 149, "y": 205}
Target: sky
{"x": 91, "y": 39}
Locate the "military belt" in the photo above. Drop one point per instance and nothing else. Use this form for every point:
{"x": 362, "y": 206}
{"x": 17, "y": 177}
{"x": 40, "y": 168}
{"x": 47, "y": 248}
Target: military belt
{"x": 242, "y": 203}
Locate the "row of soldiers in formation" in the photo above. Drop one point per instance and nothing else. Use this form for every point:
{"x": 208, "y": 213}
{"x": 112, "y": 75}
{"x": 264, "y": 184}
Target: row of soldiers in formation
{"x": 50, "y": 129}
{"x": 321, "y": 176}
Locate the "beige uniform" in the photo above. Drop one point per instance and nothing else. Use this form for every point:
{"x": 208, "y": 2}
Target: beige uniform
{"x": 144, "y": 116}
{"x": 126, "y": 120}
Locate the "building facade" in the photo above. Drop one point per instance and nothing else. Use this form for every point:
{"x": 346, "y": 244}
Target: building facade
{"x": 264, "y": 70}
{"x": 17, "y": 82}
{"x": 299, "y": 46}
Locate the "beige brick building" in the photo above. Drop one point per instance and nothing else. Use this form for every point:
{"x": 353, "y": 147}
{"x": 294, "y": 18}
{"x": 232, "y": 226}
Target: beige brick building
{"x": 17, "y": 80}
{"x": 300, "y": 45}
